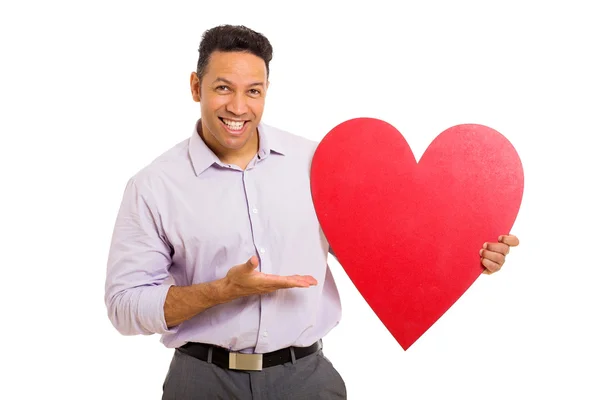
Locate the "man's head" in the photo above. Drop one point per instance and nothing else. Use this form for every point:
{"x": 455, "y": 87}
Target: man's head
{"x": 233, "y": 38}
{"x": 230, "y": 84}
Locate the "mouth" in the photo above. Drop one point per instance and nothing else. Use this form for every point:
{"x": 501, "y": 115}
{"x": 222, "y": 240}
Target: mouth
{"x": 233, "y": 126}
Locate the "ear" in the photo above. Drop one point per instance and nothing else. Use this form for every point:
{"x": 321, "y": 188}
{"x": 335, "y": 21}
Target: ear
{"x": 195, "y": 87}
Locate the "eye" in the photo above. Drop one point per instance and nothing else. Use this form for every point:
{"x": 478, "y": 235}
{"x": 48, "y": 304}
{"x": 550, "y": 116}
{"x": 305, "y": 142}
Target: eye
{"x": 222, "y": 88}
{"x": 254, "y": 92}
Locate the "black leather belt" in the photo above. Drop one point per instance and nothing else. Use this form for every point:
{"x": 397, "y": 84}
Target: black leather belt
{"x": 248, "y": 362}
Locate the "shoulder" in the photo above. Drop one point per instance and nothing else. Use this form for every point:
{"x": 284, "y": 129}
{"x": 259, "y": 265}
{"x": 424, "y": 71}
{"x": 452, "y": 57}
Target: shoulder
{"x": 171, "y": 163}
{"x": 290, "y": 143}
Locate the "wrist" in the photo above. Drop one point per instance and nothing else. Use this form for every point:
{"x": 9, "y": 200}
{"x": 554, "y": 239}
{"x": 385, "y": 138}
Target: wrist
{"x": 222, "y": 290}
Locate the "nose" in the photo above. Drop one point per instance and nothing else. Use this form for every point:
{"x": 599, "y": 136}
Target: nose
{"x": 238, "y": 104}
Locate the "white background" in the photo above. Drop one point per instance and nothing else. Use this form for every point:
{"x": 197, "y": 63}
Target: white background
{"x": 93, "y": 91}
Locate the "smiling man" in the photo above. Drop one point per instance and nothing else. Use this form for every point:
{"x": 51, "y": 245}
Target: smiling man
{"x": 217, "y": 246}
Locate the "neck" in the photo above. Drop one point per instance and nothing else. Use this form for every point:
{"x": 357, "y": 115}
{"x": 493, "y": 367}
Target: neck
{"x": 240, "y": 157}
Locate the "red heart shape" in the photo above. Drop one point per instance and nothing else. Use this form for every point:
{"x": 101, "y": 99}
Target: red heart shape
{"x": 408, "y": 234}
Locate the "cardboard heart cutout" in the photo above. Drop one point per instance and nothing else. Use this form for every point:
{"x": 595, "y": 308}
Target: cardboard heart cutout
{"x": 408, "y": 234}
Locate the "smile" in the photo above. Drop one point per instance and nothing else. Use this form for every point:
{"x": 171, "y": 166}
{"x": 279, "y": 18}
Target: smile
{"x": 232, "y": 125}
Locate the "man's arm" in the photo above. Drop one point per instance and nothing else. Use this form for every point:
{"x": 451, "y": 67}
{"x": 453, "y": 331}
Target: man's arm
{"x": 184, "y": 302}
{"x": 138, "y": 300}
{"x": 138, "y": 265}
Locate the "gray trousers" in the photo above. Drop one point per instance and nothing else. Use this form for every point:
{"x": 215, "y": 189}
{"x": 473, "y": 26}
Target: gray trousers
{"x": 312, "y": 377}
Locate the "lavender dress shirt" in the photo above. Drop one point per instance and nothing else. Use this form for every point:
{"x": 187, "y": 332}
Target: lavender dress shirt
{"x": 188, "y": 218}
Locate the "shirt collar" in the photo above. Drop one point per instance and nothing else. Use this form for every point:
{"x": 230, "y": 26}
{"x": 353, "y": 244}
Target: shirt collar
{"x": 203, "y": 157}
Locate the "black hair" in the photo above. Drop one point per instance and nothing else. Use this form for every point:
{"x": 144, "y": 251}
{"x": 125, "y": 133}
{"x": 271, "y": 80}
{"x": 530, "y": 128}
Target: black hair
{"x": 229, "y": 38}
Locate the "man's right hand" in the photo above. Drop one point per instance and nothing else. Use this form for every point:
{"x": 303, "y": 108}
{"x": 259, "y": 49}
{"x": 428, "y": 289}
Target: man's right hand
{"x": 245, "y": 280}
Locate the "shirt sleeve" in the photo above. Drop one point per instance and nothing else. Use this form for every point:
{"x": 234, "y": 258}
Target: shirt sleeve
{"x": 138, "y": 267}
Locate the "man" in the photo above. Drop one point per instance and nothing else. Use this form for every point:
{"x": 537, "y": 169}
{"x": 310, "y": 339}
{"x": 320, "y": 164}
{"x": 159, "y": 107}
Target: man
{"x": 227, "y": 215}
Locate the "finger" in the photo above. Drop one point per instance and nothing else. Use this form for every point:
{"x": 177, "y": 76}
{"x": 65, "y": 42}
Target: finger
{"x": 287, "y": 282}
{"x": 300, "y": 280}
{"x": 491, "y": 266}
{"x": 252, "y": 263}
{"x": 284, "y": 282}
{"x": 501, "y": 248}
{"x": 497, "y": 258}
{"x": 306, "y": 278}
{"x": 510, "y": 240}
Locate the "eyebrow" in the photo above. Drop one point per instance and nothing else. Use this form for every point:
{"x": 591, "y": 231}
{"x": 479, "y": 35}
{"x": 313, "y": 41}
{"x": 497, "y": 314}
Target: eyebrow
{"x": 219, "y": 79}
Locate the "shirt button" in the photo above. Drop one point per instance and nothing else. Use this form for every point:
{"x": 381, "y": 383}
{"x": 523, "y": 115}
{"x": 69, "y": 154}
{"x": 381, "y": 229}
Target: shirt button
{"x": 255, "y": 210}
{"x": 262, "y": 250}
{"x": 265, "y": 334}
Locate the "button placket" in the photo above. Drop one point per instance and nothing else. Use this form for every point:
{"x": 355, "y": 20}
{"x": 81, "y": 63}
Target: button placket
{"x": 256, "y": 216}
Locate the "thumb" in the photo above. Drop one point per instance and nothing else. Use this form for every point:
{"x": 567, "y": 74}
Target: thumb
{"x": 252, "y": 263}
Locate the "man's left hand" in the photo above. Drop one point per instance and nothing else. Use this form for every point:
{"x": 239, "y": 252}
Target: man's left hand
{"x": 493, "y": 255}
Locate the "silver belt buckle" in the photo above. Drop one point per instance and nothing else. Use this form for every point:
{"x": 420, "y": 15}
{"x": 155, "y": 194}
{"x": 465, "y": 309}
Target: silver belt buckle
{"x": 246, "y": 362}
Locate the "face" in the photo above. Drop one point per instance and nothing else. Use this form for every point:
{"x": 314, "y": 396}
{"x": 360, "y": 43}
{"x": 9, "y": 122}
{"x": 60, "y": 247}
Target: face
{"x": 232, "y": 98}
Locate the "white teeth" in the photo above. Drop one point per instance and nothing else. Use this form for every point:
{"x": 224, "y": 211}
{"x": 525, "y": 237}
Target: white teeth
{"x": 234, "y": 125}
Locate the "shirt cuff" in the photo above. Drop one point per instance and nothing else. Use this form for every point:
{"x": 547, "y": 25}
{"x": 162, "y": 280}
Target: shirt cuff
{"x": 151, "y": 311}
